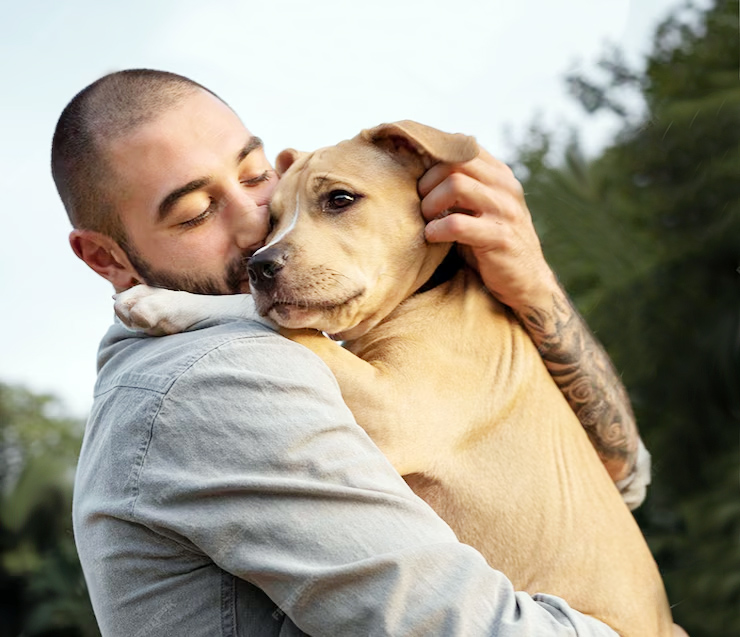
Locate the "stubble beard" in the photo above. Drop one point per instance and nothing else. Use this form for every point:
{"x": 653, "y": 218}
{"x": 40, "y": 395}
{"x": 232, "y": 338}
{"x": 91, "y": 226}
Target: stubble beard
{"x": 235, "y": 274}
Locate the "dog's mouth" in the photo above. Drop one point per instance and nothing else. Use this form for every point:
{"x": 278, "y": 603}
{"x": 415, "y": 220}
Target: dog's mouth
{"x": 297, "y": 313}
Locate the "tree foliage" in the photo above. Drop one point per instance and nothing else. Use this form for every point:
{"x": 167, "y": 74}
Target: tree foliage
{"x": 42, "y": 591}
{"x": 646, "y": 237}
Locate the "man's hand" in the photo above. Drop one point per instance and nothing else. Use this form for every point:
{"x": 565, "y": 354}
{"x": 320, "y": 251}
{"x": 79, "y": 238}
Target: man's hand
{"x": 489, "y": 217}
{"x": 480, "y": 205}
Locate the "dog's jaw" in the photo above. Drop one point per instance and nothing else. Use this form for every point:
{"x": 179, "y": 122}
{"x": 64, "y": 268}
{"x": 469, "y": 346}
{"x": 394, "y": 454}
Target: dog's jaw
{"x": 295, "y": 313}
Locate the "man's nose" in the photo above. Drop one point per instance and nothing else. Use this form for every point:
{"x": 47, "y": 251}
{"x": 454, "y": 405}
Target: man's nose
{"x": 251, "y": 222}
{"x": 264, "y": 266}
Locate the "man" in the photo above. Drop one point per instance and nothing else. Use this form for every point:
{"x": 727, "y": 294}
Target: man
{"x": 223, "y": 487}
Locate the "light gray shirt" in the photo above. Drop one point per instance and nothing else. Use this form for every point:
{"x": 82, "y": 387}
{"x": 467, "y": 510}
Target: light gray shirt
{"x": 224, "y": 488}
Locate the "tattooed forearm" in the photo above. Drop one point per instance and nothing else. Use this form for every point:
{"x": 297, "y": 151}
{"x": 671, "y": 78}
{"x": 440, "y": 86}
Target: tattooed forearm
{"x": 583, "y": 372}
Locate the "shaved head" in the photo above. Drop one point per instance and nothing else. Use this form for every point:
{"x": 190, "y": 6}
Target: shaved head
{"x": 101, "y": 113}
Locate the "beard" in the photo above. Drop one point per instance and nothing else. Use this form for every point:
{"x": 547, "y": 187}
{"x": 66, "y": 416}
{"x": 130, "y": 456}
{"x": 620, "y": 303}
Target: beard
{"x": 235, "y": 275}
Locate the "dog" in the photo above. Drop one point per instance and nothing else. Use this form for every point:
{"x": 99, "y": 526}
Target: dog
{"x": 440, "y": 374}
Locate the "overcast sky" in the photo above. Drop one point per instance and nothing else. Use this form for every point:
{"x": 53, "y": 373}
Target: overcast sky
{"x": 299, "y": 73}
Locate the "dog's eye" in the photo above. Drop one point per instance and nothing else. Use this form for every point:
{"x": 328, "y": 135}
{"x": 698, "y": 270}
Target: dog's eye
{"x": 339, "y": 199}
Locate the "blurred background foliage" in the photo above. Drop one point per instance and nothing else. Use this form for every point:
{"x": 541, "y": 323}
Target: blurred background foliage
{"x": 42, "y": 591}
{"x": 646, "y": 238}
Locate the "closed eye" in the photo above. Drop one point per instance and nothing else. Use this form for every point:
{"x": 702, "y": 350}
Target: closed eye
{"x": 253, "y": 181}
{"x": 196, "y": 221}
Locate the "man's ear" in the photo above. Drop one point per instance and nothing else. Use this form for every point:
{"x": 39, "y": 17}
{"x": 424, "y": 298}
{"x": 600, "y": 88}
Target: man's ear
{"x": 411, "y": 142}
{"x": 105, "y": 256}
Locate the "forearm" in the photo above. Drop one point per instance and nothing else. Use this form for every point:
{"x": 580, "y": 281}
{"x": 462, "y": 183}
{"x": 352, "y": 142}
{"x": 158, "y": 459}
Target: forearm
{"x": 584, "y": 373}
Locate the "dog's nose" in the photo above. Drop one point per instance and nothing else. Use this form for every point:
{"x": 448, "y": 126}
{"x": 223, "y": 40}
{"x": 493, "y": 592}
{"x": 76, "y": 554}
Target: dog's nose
{"x": 264, "y": 266}
{"x": 263, "y": 270}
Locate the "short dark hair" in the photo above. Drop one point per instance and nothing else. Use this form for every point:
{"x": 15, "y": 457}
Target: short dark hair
{"x": 107, "y": 109}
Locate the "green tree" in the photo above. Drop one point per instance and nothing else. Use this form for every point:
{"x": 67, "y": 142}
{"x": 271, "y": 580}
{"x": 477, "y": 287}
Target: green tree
{"x": 646, "y": 237}
{"x": 43, "y": 590}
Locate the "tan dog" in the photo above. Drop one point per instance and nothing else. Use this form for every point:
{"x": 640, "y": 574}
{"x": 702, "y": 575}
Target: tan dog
{"x": 444, "y": 380}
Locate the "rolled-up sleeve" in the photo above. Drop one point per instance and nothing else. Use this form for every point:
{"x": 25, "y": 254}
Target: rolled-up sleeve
{"x": 634, "y": 487}
{"x": 255, "y": 461}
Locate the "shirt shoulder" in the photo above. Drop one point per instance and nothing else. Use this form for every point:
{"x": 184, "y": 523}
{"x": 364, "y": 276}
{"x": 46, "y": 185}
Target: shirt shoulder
{"x": 135, "y": 360}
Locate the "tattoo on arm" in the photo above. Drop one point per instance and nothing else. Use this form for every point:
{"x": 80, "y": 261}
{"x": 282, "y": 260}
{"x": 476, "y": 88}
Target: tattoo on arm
{"x": 584, "y": 373}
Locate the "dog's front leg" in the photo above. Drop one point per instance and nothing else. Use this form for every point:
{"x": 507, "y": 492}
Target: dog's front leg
{"x": 371, "y": 393}
{"x": 157, "y": 311}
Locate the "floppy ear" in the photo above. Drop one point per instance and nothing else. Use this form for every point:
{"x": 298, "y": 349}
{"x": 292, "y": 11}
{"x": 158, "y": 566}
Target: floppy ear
{"x": 286, "y": 159}
{"x": 409, "y": 141}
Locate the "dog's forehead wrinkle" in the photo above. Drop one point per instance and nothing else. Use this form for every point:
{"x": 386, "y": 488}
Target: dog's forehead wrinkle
{"x": 349, "y": 160}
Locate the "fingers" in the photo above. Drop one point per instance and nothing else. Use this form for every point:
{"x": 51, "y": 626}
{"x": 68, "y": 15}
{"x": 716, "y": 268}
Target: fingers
{"x": 491, "y": 198}
{"x": 462, "y": 193}
{"x": 467, "y": 230}
{"x": 484, "y": 169}
{"x": 477, "y": 168}
{"x": 495, "y": 232}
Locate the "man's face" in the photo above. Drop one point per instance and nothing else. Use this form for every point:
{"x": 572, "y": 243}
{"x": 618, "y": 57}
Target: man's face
{"x": 192, "y": 192}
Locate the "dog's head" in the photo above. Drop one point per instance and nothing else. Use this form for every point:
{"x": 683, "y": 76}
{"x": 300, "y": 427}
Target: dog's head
{"x": 347, "y": 241}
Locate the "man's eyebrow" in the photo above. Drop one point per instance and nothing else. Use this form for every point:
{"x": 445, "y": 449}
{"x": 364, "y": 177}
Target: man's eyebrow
{"x": 169, "y": 201}
{"x": 253, "y": 144}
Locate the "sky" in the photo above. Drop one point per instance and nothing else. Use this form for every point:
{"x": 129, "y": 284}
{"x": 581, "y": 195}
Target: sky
{"x": 300, "y": 74}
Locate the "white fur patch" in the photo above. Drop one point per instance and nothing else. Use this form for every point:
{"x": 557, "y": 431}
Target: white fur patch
{"x": 286, "y": 231}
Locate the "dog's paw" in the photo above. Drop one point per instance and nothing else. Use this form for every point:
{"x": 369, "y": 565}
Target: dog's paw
{"x": 154, "y": 311}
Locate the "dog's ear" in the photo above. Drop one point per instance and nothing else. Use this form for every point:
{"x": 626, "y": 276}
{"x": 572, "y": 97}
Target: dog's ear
{"x": 410, "y": 141}
{"x": 286, "y": 159}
